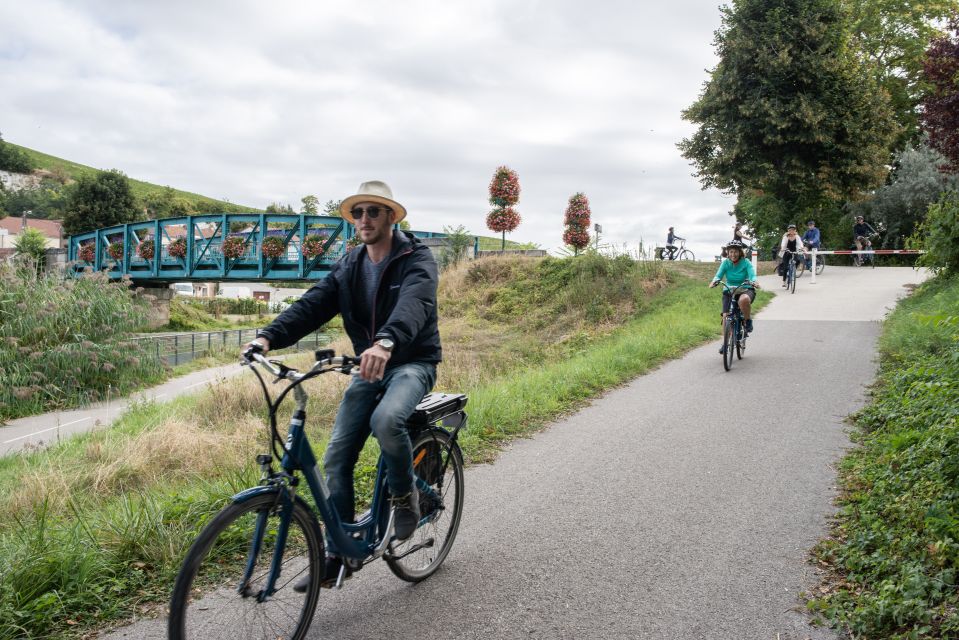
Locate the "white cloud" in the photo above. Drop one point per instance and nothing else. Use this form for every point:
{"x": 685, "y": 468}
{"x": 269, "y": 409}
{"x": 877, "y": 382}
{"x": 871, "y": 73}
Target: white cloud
{"x": 258, "y": 102}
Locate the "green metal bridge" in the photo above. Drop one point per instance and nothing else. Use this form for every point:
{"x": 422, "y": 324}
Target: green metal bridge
{"x": 217, "y": 247}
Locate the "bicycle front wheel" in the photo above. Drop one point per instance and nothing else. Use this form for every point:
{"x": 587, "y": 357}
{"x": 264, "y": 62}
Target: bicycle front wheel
{"x": 728, "y": 340}
{"x": 740, "y": 336}
{"x": 437, "y": 461}
{"x": 792, "y": 279}
{"x": 686, "y": 254}
{"x": 800, "y": 269}
{"x": 220, "y": 587}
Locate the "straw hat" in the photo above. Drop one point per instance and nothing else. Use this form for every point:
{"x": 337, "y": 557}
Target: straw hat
{"x": 373, "y": 191}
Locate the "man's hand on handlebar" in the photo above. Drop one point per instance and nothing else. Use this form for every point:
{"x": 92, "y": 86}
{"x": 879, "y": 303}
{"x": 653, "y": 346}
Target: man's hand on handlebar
{"x": 257, "y": 345}
{"x": 713, "y": 283}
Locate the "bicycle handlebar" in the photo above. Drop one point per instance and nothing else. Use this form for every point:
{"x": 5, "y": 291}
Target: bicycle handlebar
{"x": 343, "y": 364}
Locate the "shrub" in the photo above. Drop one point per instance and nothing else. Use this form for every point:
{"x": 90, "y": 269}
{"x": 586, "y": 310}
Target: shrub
{"x": 941, "y": 232}
{"x": 458, "y": 242}
{"x": 14, "y": 159}
{"x": 31, "y": 242}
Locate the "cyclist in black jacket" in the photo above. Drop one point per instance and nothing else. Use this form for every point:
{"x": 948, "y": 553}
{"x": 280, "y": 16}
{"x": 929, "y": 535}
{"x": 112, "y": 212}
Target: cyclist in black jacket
{"x": 385, "y": 290}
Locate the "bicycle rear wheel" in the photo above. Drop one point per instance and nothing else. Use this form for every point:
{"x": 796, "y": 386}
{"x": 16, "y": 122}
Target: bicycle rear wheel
{"x": 728, "y": 344}
{"x": 820, "y": 264}
{"x": 437, "y": 460}
{"x": 211, "y": 594}
{"x": 800, "y": 268}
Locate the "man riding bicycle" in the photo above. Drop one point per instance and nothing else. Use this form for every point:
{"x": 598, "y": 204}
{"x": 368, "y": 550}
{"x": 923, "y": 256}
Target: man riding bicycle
{"x": 811, "y": 240}
{"x": 861, "y": 232}
{"x": 737, "y": 271}
{"x": 790, "y": 248}
{"x": 385, "y": 291}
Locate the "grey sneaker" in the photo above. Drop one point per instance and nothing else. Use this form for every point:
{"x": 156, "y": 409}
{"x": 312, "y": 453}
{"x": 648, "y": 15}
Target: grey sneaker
{"x": 749, "y": 326}
{"x": 407, "y": 510}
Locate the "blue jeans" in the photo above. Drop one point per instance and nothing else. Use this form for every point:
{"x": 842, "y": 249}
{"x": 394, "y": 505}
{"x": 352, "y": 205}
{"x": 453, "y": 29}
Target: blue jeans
{"x": 363, "y": 411}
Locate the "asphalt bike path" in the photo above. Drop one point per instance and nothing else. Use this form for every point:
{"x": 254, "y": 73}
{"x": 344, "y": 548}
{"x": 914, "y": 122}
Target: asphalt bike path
{"x": 681, "y": 505}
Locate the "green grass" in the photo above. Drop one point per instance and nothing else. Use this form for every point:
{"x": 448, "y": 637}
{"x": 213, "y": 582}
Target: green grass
{"x": 123, "y": 504}
{"x": 140, "y": 188}
{"x": 894, "y": 553}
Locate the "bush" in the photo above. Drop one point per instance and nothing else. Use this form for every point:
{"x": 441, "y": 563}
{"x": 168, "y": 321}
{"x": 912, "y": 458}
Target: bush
{"x": 61, "y": 342}
{"x": 941, "y": 233}
{"x": 31, "y": 242}
{"x": 14, "y": 159}
{"x": 458, "y": 243}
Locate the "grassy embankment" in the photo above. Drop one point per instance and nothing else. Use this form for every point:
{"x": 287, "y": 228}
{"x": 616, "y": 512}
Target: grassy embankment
{"x": 141, "y": 189}
{"x": 893, "y": 556}
{"x": 93, "y": 529}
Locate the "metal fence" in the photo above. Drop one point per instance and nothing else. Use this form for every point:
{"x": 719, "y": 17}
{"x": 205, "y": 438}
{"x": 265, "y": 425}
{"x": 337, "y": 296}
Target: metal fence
{"x": 178, "y": 348}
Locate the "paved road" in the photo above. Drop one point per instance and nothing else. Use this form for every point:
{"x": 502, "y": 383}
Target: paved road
{"x": 681, "y": 505}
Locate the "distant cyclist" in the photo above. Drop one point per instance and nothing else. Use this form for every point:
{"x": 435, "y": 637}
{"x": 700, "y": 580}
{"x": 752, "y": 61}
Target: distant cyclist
{"x": 861, "y": 232}
{"x": 671, "y": 247}
{"x": 790, "y": 248}
{"x": 811, "y": 238}
{"x": 737, "y": 271}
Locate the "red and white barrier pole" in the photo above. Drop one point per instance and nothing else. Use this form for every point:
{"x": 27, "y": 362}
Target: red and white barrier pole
{"x": 755, "y": 260}
{"x": 813, "y": 270}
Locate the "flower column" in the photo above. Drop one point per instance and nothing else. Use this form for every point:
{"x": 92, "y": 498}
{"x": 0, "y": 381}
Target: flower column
{"x": 576, "y": 234}
{"x": 503, "y": 194}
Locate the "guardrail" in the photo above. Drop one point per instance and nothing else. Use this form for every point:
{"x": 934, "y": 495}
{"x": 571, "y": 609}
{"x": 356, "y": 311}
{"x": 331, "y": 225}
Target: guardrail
{"x": 849, "y": 252}
{"x": 179, "y": 348}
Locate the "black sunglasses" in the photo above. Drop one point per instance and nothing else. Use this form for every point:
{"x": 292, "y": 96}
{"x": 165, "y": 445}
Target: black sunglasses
{"x": 372, "y": 212}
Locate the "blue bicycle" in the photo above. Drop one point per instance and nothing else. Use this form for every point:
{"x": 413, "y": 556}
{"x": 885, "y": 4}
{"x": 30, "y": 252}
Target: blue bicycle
{"x": 244, "y": 574}
{"x": 734, "y": 326}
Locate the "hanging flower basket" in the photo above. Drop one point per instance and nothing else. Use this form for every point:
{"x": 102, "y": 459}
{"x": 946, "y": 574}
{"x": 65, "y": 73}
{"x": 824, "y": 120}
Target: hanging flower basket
{"x": 234, "y": 247}
{"x": 313, "y": 246}
{"x": 273, "y": 247}
{"x": 177, "y": 248}
{"x": 87, "y": 253}
{"x": 576, "y": 234}
{"x": 115, "y": 251}
{"x": 353, "y": 242}
{"x": 146, "y": 249}
{"x": 504, "y": 188}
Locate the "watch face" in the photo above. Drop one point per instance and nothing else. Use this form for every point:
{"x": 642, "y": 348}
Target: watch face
{"x": 386, "y": 343}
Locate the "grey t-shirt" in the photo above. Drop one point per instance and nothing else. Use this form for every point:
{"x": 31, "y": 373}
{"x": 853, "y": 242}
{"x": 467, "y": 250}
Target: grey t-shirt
{"x": 369, "y": 279}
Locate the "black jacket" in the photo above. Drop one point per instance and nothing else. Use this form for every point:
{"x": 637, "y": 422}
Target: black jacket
{"x": 404, "y": 305}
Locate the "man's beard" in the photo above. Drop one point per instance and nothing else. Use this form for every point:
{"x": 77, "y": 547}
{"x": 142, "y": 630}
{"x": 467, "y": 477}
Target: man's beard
{"x": 377, "y": 235}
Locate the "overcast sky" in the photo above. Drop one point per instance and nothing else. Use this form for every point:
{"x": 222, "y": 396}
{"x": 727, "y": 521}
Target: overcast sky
{"x": 262, "y": 102}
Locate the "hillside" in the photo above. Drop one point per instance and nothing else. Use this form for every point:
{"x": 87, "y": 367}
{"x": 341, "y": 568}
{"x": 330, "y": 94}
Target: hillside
{"x": 142, "y": 190}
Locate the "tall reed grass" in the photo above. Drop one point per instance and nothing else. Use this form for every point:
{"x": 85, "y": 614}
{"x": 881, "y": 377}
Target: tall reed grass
{"x": 60, "y": 341}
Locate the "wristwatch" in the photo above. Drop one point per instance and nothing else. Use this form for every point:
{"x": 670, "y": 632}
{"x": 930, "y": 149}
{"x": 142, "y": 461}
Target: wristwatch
{"x": 386, "y": 343}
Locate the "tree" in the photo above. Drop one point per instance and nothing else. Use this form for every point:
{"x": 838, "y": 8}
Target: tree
{"x": 332, "y": 208}
{"x": 503, "y": 195}
{"x": 48, "y": 199}
{"x": 917, "y": 182}
{"x": 941, "y": 104}
{"x": 276, "y": 207}
{"x": 31, "y": 242}
{"x": 789, "y": 112}
{"x": 311, "y": 205}
{"x": 458, "y": 243}
{"x": 98, "y": 201}
{"x": 577, "y": 217}
{"x": 893, "y": 36}
{"x": 14, "y": 159}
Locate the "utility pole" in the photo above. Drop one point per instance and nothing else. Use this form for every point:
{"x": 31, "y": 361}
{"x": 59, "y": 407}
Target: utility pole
{"x": 598, "y": 229}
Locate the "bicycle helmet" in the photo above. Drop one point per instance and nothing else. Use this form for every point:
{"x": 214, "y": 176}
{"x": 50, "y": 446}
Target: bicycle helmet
{"x": 790, "y": 226}
{"x": 736, "y": 244}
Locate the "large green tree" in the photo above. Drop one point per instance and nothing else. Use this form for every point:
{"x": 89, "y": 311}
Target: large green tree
{"x": 102, "y": 200}
{"x": 893, "y": 36}
{"x": 790, "y": 113}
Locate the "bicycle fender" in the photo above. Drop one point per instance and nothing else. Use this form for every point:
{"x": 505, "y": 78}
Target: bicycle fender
{"x": 253, "y": 492}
